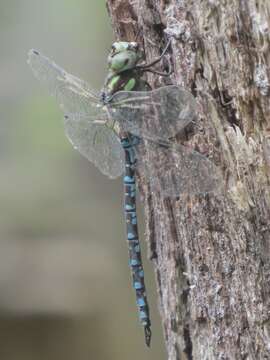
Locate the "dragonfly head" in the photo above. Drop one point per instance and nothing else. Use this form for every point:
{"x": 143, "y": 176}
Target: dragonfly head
{"x": 123, "y": 56}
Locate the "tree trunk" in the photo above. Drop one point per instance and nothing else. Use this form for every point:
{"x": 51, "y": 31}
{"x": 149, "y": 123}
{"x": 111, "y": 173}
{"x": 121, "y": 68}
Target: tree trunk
{"x": 212, "y": 252}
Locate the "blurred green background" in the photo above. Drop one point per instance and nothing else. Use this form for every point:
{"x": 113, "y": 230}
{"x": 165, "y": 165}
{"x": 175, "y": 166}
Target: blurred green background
{"x": 65, "y": 288}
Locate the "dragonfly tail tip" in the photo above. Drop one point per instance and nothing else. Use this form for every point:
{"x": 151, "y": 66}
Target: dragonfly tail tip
{"x": 147, "y": 335}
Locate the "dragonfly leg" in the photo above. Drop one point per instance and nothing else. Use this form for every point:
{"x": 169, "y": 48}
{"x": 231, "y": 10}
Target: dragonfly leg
{"x": 160, "y": 73}
{"x": 154, "y": 62}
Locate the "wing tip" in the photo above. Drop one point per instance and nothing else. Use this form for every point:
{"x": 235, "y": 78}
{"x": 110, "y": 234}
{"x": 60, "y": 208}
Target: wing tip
{"x": 32, "y": 53}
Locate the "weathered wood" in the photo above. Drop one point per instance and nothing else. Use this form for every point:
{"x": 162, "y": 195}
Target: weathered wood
{"x": 212, "y": 253}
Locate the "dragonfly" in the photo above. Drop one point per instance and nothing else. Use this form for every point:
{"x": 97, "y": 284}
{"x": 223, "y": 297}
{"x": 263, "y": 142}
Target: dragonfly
{"x": 115, "y": 127}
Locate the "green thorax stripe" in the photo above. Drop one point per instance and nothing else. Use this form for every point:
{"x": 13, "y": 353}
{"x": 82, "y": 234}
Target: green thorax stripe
{"x": 124, "y": 81}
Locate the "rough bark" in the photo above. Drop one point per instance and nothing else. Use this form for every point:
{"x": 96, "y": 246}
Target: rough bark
{"x": 212, "y": 252}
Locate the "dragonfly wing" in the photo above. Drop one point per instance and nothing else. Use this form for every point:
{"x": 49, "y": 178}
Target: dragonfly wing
{"x": 74, "y": 96}
{"x": 156, "y": 116}
{"x": 98, "y": 143}
{"x": 162, "y": 112}
{"x": 176, "y": 171}
{"x": 84, "y": 111}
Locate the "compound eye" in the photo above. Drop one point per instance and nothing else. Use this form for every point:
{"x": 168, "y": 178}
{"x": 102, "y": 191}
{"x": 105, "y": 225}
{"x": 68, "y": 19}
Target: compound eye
{"x": 133, "y": 46}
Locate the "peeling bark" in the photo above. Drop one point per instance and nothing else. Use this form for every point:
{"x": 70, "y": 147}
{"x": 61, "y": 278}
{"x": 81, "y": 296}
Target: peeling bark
{"x": 211, "y": 252}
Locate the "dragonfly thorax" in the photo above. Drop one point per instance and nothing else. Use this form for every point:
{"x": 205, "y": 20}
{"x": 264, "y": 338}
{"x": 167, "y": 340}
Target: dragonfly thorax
{"x": 123, "y": 72}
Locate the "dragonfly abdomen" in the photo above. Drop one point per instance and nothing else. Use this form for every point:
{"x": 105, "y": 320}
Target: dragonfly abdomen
{"x": 135, "y": 261}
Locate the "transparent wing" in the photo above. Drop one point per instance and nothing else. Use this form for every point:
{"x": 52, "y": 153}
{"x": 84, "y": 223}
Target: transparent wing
{"x": 177, "y": 170}
{"x": 83, "y": 110}
{"x": 162, "y": 113}
{"x": 98, "y": 144}
{"x": 157, "y": 116}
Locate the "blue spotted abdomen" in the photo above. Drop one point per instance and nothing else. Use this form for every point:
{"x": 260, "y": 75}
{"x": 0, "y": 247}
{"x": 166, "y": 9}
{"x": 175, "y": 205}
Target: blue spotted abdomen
{"x": 135, "y": 261}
